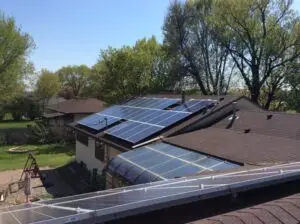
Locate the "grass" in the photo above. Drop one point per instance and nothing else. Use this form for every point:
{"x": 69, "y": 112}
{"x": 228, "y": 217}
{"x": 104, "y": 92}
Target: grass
{"x": 51, "y": 155}
{"x": 14, "y": 124}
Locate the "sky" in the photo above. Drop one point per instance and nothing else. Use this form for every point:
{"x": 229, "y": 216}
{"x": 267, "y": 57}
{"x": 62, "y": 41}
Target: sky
{"x": 72, "y": 32}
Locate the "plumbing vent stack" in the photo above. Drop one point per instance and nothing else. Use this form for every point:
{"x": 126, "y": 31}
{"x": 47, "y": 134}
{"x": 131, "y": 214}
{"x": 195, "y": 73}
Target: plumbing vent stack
{"x": 182, "y": 96}
{"x": 234, "y": 110}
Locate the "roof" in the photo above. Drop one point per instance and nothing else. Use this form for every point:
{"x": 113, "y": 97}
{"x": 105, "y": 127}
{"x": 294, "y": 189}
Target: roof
{"x": 191, "y": 123}
{"x": 52, "y": 115}
{"x": 247, "y": 148}
{"x": 282, "y": 211}
{"x": 279, "y": 124}
{"x": 81, "y": 106}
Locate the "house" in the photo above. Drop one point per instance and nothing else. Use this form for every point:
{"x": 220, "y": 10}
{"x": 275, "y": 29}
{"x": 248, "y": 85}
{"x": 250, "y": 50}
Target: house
{"x": 242, "y": 140}
{"x": 64, "y": 112}
{"x": 102, "y": 136}
{"x": 250, "y": 173}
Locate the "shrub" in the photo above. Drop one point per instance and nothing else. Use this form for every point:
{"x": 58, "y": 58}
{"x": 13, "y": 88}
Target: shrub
{"x": 40, "y": 133}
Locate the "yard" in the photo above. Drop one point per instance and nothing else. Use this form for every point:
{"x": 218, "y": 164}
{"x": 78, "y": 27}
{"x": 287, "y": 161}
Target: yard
{"x": 14, "y": 124}
{"x": 48, "y": 155}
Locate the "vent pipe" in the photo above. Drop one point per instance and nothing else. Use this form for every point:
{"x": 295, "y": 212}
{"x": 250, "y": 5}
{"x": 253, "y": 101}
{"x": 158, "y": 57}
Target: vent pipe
{"x": 269, "y": 116}
{"x": 182, "y": 96}
{"x": 234, "y": 110}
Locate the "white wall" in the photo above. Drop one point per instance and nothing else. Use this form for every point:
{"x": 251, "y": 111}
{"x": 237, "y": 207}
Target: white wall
{"x": 87, "y": 155}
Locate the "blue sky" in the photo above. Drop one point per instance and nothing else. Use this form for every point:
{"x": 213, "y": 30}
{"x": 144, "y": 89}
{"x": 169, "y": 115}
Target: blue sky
{"x": 68, "y": 32}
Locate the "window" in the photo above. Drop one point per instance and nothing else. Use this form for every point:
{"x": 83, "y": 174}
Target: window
{"x": 83, "y": 138}
{"x": 100, "y": 151}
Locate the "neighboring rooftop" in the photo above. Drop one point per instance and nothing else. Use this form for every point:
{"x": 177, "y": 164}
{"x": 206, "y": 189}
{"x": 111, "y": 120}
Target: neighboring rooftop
{"x": 247, "y": 148}
{"x": 78, "y": 106}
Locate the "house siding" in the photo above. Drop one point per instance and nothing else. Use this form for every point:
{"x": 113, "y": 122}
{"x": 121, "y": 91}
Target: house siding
{"x": 86, "y": 154}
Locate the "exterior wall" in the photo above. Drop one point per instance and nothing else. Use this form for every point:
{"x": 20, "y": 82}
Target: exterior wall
{"x": 86, "y": 154}
{"x": 77, "y": 117}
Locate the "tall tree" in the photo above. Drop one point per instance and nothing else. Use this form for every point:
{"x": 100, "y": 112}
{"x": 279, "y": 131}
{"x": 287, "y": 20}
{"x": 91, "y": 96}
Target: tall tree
{"x": 262, "y": 37}
{"x": 74, "y": 78}
{"x": 189, "y": 40}
{"x": 47, "y": 85}
{"x": 129, "y": 71}
{"x": 15, "y": 45}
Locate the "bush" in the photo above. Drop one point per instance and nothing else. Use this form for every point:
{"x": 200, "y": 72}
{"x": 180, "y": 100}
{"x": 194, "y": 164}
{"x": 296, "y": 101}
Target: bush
{"x": 40, "y": 133}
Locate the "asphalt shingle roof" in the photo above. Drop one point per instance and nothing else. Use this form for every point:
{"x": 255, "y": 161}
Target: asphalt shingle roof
{"x": 81, "y": 106}
{"x": 282, "y": 211}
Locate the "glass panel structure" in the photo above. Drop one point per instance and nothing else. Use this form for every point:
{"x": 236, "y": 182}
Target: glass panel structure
{"x": 162, "y": 161}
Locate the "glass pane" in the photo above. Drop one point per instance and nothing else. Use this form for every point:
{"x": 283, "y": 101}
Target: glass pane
{"x": 145, "y": 177}
{"x": 174, "y": 151}
{"x": 165, "y": 167}
{"x": 141, "y": 157}
{"x": 192, "y": 156}
{"x": 135, "y": 152}
{"x": 207, "y": 162}
{"x": 182, "y": 171}
{"x": 123, "y": 168}
{"x": 132, "y": 174}
{"x": 224, "y": 166}
{"x": 114, "y": 163}
{"x": 155, "y": 159}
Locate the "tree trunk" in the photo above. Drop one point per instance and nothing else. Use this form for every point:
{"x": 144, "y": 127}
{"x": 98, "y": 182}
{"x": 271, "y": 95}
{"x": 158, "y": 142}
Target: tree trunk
{"x": 201, "y": 85}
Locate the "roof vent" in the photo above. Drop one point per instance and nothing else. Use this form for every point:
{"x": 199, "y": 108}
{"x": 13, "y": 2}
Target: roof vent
{"x": 247, "y": 130}
{"x": 221, "y": 98}
{"x": 269, "y": 116}
{"x": 182, "y": 97}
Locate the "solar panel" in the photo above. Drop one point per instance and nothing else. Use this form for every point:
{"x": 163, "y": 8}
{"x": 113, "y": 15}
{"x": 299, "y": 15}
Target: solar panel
{"x": 158, "y": 103}
{"x": 98, "y": 121}
{"x": 164, "y": 161}
{"x": 194, "y": 105}
{"x": 142, "y": 117}
{"x": 109, "y": 205}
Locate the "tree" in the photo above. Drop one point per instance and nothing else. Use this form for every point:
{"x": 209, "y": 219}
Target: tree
{"x": 47, "y": 85}
{"x": 14, "y": 47}
{"x": 192, "y": 47}
{"x": 263, "y": 39}
{"x": 74, "y": 78}
{"x": 128, "y": 71}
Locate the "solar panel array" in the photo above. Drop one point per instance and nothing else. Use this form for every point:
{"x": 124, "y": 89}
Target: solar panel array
{"x": 103, "y": 206}
{"x": 142, "y": 117}
{"x": 163, "y": 161}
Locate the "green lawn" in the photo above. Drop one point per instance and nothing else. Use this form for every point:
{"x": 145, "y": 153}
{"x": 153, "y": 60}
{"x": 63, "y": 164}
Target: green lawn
{"x": 52, "y": 155}
{"x": 14, "y": 124}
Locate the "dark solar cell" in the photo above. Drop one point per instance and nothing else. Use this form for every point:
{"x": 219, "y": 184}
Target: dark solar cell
{"x": 194, "y": 105}
{"x": 98, "y": 122}
{"x": 144, "y": 133}
{"x": 158, "y": 103}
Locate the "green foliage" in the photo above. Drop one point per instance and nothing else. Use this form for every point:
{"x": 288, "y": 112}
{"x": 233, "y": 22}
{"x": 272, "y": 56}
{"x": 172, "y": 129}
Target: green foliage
{"x": 74, "y": 78}
{"x": 23, "y": 107}
{"x": 263, "y": 39}
{"x": 193, "y": 50}
{"x": 40, "y": 133}
{"x": 128, "y": 71}
{"x": 47, "y": 85}
{"x": 14, "y": 47}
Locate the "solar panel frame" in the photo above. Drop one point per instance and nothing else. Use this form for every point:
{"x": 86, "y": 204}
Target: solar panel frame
{"x": 144, "y": 198}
